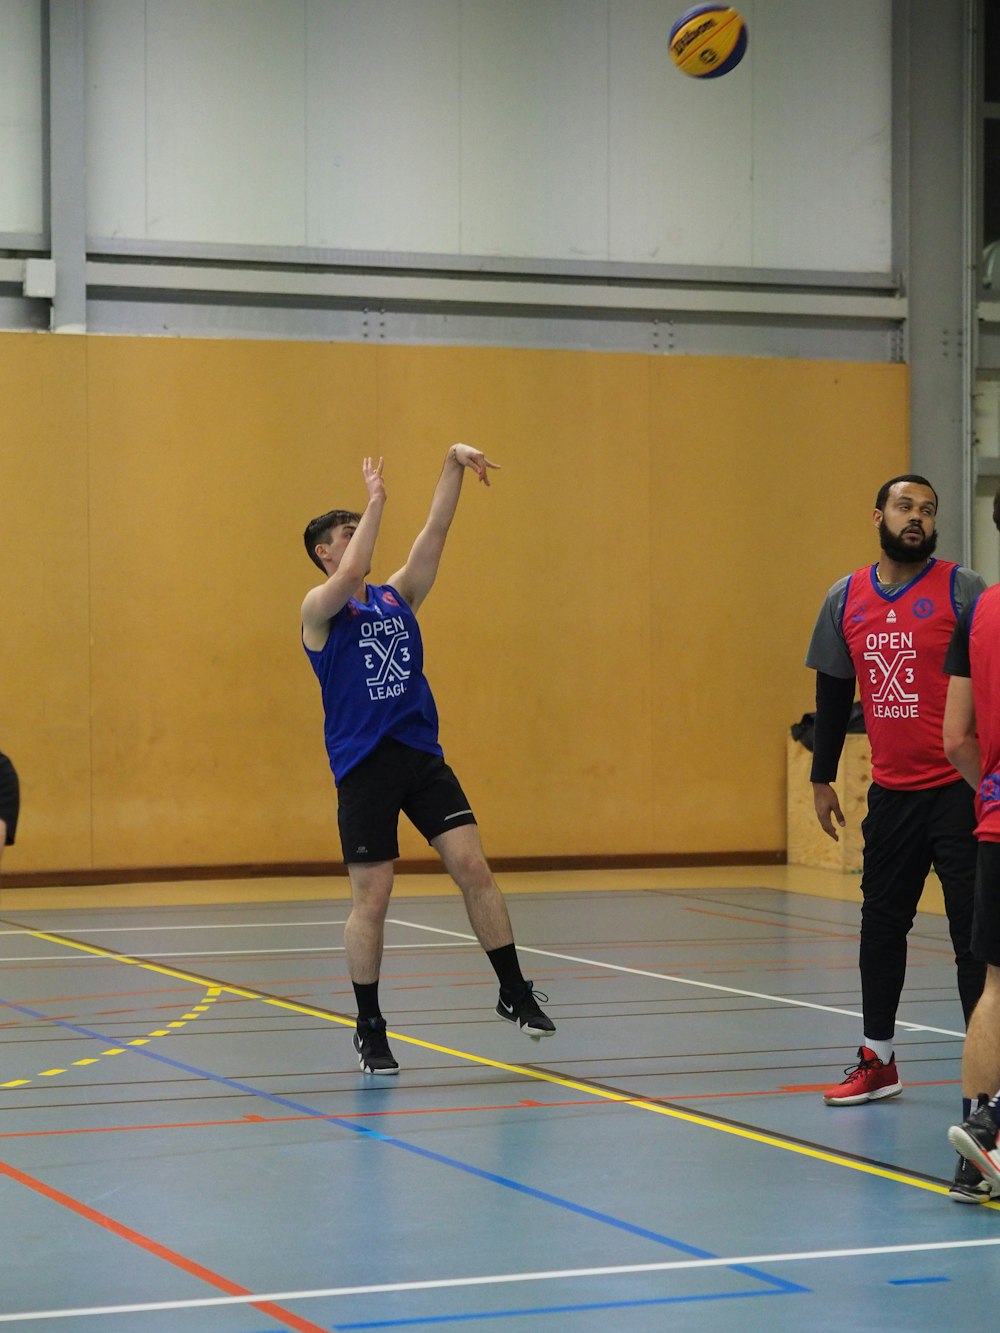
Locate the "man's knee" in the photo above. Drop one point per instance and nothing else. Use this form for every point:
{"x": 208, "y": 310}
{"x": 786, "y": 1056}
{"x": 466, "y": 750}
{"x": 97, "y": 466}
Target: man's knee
{"x": 461, "y": 850}
{"x": 885, "y": 919}
{"x": 471, "y": 872}
{"x": 371, "y": 889}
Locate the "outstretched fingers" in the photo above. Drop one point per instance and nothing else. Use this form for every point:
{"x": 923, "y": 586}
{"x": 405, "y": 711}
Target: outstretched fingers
{"x": 372, "y": 473}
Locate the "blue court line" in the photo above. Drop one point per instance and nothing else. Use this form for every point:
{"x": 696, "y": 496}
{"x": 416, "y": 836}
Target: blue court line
{"x": 552, "y": 1309}
{"x": 780, "y": 1284}
{"x": 915, "y": 1281}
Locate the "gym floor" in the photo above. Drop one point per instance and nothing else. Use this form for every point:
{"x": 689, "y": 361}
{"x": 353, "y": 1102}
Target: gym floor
{"x": 188, "y": 1145}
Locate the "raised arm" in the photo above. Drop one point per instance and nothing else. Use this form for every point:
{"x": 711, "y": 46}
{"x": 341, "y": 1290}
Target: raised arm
{"x": 415, "y": 579}
{"x": 350, "y": 568}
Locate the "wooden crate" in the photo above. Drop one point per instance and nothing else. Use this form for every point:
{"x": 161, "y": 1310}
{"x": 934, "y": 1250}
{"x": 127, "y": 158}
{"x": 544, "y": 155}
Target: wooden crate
{"x": 807, "y": 844}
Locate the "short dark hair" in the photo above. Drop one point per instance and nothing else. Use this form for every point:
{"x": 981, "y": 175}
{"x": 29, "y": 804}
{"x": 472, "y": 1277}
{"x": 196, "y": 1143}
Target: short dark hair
{"x": 883, "y": 495}
{"x": 319, "y": 529}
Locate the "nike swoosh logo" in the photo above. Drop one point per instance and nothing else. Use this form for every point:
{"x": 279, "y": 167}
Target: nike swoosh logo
{"x": 507, "y": 1008}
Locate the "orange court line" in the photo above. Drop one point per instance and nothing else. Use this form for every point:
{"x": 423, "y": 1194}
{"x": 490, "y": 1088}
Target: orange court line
{"x": 812, "y": 930}
{"x": 525, "y": 1103}
{"x": 153, "y": 1247}
{"x": 780, "y": 925}
{"x": 102, "y": 995}
{"x": 547, "y": 1076}
{"x": 296, "y": 1119}
{"x": 339, "y": 985}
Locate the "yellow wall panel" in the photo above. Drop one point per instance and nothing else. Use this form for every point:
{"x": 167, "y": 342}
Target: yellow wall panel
{"x": 44, "y": 595}
{"x": 537, "y": 631}
{"x": 764, "y": 480}
{"x": 209, "y": 458}
{"x": 615, "y": 640}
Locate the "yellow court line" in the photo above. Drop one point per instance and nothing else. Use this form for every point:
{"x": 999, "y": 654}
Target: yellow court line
{"x": 541, "y": 1076}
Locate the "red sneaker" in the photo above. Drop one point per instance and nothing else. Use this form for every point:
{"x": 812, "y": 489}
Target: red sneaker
{"x": 866, "y": 1081}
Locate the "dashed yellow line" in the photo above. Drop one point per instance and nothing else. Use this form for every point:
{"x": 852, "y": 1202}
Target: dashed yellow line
{"x": 539, "y": 1075}
{"x": 211, "y": 996}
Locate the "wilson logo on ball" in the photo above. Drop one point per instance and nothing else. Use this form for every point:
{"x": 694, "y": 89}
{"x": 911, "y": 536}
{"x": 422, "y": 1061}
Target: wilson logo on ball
{"x": 708, "y": 41}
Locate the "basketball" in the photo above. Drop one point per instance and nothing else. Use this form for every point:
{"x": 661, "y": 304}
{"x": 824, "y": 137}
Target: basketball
{"x": 708, "y": 41}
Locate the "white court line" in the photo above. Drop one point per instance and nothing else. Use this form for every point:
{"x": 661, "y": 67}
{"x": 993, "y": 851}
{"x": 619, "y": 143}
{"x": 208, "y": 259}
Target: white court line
{"x": 498, "y": 1279}
{"x": 211, "y": 925}
{"x": 212, "y": 953}
{"x": 684, "y": 981}
{"x": 467, "y": 940}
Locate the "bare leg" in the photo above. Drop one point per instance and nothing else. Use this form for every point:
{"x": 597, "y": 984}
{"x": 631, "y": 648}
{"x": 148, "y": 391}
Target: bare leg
{"x": 461, "y": 850}
{"x": 371, "y": 886}
{"x": 981, "y": 1056}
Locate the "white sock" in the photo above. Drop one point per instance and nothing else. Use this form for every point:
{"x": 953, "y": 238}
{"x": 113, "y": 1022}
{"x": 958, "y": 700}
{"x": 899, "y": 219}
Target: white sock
{"x": 883, "y": 1049}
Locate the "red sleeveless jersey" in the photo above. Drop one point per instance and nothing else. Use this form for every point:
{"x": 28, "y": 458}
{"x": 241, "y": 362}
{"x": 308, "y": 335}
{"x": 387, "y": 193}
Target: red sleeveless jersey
{"x": 984, "y": 657}
{"x": 898, "y": 642}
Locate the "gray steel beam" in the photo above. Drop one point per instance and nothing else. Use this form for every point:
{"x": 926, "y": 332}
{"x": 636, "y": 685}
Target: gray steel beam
{"x": 929, "y": 121}
{"x": 67, "y": 199}
{"x": 431, "y": 290}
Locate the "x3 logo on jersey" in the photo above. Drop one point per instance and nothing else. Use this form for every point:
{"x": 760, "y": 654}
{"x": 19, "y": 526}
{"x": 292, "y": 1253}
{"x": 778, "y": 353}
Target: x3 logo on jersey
{"x": 891, "y": 685}
{"x": 392, "y": 655}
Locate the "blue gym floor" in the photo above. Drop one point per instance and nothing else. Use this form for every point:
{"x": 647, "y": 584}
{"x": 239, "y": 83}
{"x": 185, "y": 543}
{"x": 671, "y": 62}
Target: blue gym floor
{"x": 187, "y": 1145}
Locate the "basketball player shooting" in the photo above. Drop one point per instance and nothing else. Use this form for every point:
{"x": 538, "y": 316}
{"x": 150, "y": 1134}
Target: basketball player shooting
{"x": 381, "y": 731}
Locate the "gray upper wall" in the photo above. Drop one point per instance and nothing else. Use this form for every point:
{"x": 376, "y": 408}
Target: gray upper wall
{"x": 543, "y": 130}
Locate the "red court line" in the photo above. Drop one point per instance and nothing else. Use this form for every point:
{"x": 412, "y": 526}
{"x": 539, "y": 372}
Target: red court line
{"x": 812, "y": 930}
{"x": 340, "y": 986}
{"x": 107, "y": 995}
{"x": 783, "y": 925}
{"x": 526, "y": 1103}
{"x": 278, "y": 981}
{"x": 153, "y": 1247}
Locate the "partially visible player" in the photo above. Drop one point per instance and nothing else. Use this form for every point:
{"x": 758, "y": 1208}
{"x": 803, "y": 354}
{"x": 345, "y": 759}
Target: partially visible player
{"x": 972, "y": 743}
{"x": 381, "y": 732}
{"x": 10, "y": 803}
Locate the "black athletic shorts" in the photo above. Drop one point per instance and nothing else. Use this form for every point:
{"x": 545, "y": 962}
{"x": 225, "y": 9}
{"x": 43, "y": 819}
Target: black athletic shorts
{"x": 986, "y": 918}
{"x": 391, "y": 779}
{"x": 10, "y": 797}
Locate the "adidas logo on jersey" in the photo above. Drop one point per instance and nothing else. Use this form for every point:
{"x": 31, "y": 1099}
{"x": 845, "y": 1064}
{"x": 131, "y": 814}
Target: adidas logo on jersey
{"x": 891, "y": 617}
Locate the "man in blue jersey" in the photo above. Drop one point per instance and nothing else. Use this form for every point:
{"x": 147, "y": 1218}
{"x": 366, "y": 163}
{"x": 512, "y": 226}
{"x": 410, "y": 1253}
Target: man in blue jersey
{"x": 381, "y": 734}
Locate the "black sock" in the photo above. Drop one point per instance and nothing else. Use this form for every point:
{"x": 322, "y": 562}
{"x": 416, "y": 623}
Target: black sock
{"x": 507, "y": 968}
{"x": 367, "y": 998}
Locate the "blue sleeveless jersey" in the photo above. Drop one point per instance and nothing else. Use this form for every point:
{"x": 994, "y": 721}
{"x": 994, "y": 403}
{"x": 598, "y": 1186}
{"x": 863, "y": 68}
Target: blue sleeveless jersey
{"x": 371, "y": 674}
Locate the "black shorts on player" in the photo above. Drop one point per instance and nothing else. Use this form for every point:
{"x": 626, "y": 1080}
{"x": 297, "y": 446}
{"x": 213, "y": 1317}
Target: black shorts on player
{"x": 986, "y": 919}
{"x": 396, "y": 778}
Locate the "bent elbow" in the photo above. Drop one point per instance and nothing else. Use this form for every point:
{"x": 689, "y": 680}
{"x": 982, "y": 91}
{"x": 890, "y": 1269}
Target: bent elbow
{"x": 956, "y": 745}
